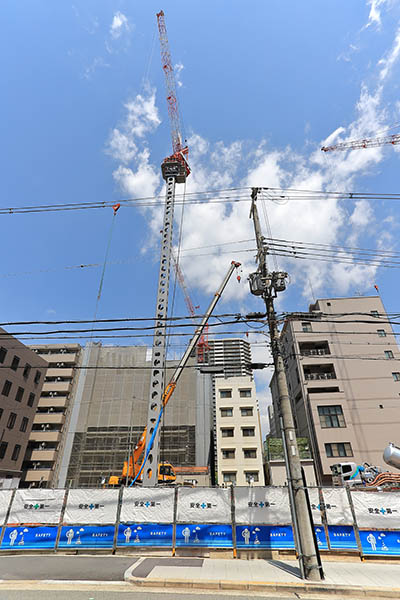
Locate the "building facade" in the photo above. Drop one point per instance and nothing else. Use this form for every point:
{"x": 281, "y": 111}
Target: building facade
{"x": 46, "y": 440}
{"x": 21, "y": 379}
{"x": 233, "y": 355}
{"x": 110, "y": 410}
{"x": 239, "y": 447}
{"x": 343, "y": 374}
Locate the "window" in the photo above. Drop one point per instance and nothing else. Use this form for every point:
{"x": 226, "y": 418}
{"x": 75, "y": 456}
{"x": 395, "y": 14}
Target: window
{"x": 27, "y": 370}
{"x": 306, "y": 327}
{"x": 246, "y": 411}
{"x": 225, "y": 393}
{"x": 226, "y": 412}
{"x": 31, "y": 399}
{"x": 250, "y": 452}
{"x": 1, "y": 412}
{"x": 37, "y": 377}
{"x": 388, "y": 354}
{"x": 229, "y": 477}
{"x": 227, "y": 432}
{"x": 3, "y": 449}
{"x": 228, "y": 453}
{"x": 19, "y": 394}
{"x": 11, "y": 420}
{"x": 245, "y": 393}
{"x": 24, "y": 424}
{"x": 251, "y": 476}
{"x": 338, "y": 449}
{"x": 396, "y": 376}
{"x": 374, "y": 313}
{"x": 15, "y": 363}
{"x": 16, "y": 451}
{"x": 331, "y": 416}
{"x": 381, "y": 332}
{"x": 6, "y": 387}
{"x": 248, "y": 431}
{"x": 3, "y": 353}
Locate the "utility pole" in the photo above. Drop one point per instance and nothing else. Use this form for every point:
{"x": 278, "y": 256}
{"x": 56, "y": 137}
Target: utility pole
{"x": 266, "y": 284}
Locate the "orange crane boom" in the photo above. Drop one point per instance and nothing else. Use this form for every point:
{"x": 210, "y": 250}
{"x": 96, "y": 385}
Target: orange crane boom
{"x": 364, "y": 143}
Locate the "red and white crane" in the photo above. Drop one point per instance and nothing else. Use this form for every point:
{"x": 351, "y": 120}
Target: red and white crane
{"x": 364, "y": 143}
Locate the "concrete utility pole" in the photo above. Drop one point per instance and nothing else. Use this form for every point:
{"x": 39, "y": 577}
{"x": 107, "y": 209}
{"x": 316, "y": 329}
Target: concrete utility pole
{"x": 266, "y": 284}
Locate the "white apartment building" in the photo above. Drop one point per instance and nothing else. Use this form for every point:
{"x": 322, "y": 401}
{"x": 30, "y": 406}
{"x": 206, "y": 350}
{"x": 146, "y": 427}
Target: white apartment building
{"x": 238, "y": 433}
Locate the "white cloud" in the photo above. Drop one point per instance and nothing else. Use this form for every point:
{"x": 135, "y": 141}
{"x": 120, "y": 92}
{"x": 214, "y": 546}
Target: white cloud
{"x": 119, "y": 24}
{"x": 362, "y": 215}
{"x": 388, "y": 61}
{"x": 141, "y": 181}
{"x": 178, "y": 68}
{"x": 97, "y": 63}
{"x": 374, "y": 17}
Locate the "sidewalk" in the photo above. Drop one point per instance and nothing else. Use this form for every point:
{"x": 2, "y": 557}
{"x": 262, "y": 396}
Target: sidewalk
{"x": 347, "y": 578}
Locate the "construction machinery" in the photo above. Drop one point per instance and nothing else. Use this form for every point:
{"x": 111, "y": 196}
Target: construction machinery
{"x": 165, "y": 472}
{"x": 367, "y": 475}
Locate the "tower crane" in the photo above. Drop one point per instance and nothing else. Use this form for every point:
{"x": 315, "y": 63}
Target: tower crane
{"x": 175, "y": 169}
{"x": 202, "y": 346}
{"x": 364, "y": 143}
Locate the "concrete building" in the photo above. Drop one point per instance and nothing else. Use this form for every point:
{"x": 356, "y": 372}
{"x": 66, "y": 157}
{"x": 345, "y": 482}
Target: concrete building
{"x": 343, "y": 373}
{"x": 21, "y": 380}
{"x": 110, "y": 412}
{"x": 239, "y": 447}
{"x": 233, "y": 355}
{"x": 46, "y": 440}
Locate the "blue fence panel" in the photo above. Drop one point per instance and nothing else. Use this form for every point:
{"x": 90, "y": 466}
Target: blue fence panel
{"x": 28, "y": 538}
{"x": 380, "y": 542}
{"x": 144, "y": 534}
{"x": 264, "y": 536}
{"x": 321, "y": 537}
{"x": 199, "y": 534}
{"x": 342, "y": 537}
{"x": 86, "y": 536}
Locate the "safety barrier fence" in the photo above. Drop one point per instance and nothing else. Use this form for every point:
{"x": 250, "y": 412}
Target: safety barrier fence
{"x": 242, "y": 518}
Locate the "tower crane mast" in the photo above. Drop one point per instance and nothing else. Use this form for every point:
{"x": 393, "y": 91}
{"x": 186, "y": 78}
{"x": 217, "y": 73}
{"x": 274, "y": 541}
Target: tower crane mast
{"x": 174, "y": 170}
{"x": 364, "y": 143}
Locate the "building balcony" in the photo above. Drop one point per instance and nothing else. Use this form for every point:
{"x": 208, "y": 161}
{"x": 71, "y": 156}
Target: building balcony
{"x": 52, "y": 417}
{"x": 61, "y": 387}
{"x": 45, "y": 436}
{"x": 38, "y": 475}
{"x": 315, "y": 352}
{"x": 42, "y": 455}
{"x": 319, "y": 376}
{"x": 50, "y": 401}
{"x": 60, "y": 372}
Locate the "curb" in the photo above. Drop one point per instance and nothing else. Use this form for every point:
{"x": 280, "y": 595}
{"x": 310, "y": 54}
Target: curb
{"x": 333, "y": 589}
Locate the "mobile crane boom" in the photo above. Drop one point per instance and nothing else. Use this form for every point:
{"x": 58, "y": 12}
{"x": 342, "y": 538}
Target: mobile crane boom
{"x": 169, "y": 390}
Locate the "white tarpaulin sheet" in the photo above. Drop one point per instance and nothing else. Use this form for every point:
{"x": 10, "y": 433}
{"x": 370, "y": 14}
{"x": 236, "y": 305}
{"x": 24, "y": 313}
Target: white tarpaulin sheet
{"x": 5, "y": 497}
{"x": 337, "y": 506}
{"x": 204, "y": 505}
{"x": 147, "y": 505}
{"x": 262, "y": 506}
{"x": 36, "y": 506}
{"x": 91, "y": 507}
{"x": 378, "y": 510}
{"x": 315, "y": 506}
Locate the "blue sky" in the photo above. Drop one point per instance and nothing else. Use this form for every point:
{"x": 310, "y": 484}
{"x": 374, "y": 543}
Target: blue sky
{"x": 261, "y": 87}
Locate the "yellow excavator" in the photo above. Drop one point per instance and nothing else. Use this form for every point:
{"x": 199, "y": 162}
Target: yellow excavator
{"x": 132, "y": 469}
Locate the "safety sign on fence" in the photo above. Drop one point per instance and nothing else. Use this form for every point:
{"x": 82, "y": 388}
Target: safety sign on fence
{"x": 255, "y": 505}
{"x": 36, "y": 506}
{"x": 204, "y": 505}
{"x": 147, "y": 505}
{"x": 91, "y": 507}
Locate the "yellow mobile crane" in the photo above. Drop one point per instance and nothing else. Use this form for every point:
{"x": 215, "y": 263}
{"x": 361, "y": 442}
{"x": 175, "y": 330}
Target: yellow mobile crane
{"x": 166, "y": 473}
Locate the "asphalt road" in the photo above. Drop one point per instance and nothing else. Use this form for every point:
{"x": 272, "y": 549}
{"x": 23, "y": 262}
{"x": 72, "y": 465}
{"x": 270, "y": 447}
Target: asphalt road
{"x": 92, "y": 568}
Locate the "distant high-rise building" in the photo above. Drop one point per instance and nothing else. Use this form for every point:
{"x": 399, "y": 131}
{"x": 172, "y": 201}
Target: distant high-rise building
{"x": 343, "y": 374}
{"x": 21, "y": 380}
{"x": 232, "y": 354}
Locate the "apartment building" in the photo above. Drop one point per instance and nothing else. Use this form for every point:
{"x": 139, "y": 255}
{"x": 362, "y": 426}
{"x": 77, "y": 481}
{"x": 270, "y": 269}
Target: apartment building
{"x": 46, "y": 440}
{"x": 233, "y": 355}
{"x": 239, "y": 447}
{"x": 343, "y": 374}
{"x": 21, "y": 380}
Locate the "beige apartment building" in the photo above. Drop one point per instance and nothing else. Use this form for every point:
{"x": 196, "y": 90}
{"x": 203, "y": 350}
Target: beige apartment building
{"x": 239, "y": 447}
{"x": 343, "y": 374}
{"x": 47, "y": 439}
{"x": 21, "y": 380}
